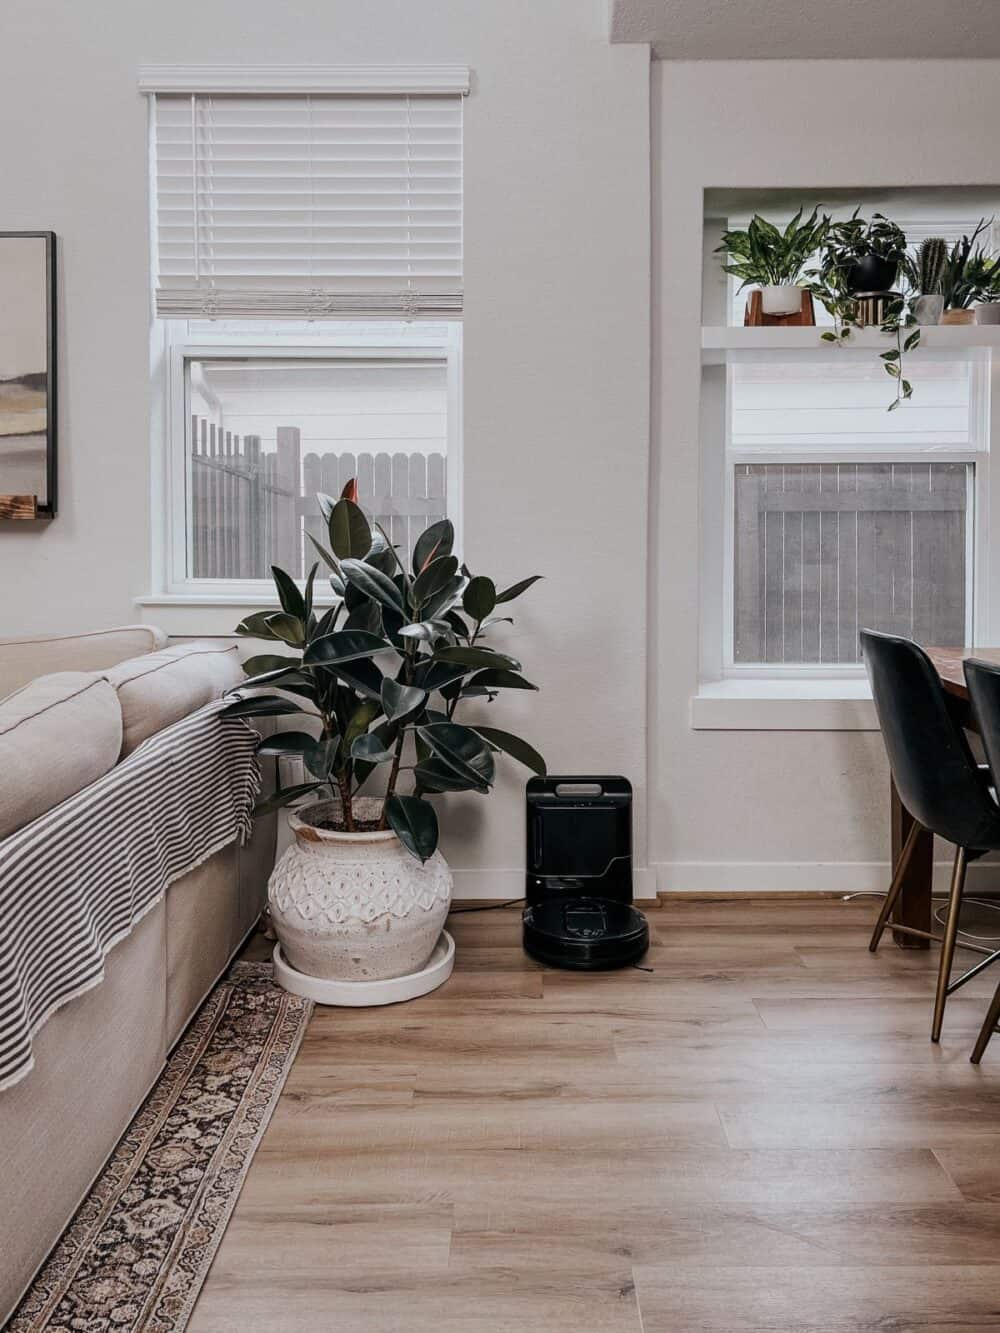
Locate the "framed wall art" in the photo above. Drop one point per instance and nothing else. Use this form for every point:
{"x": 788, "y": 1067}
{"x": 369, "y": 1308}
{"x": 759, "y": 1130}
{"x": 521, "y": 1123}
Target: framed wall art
{"x": 27, "y": 374}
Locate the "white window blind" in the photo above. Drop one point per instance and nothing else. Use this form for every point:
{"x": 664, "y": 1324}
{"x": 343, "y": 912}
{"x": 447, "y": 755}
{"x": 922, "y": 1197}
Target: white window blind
{"x": 312, "y": 206}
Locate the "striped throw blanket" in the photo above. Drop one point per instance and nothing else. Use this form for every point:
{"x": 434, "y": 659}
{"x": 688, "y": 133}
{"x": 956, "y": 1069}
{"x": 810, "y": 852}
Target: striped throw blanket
{"x": 74, "y": 882}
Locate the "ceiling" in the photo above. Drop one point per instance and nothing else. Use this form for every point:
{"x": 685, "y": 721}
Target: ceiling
{"x": 810, "y": 29}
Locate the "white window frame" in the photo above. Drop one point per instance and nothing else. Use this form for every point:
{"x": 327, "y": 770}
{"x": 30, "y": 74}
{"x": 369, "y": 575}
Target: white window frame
{"x": 719, "y": 459}
{"x": 171, "y": 491}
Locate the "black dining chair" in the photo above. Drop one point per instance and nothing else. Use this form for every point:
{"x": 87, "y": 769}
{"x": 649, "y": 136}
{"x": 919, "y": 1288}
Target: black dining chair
{"x": 983, "y": 680}
{"x": 940, "y": 784}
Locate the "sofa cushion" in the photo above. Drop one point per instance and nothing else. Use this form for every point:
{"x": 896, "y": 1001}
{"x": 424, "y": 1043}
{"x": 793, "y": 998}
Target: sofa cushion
{"x": 28, "y": 656}
{"x": 159, "y": 689}
{"x": 57, "y": 735}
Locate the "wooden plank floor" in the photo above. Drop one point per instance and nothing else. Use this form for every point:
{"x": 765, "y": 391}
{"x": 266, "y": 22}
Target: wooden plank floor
{"x": 756, "y": 1135}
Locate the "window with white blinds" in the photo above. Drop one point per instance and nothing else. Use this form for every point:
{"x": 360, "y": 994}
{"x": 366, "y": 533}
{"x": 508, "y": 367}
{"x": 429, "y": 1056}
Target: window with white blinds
{"x": 307, "y": 206}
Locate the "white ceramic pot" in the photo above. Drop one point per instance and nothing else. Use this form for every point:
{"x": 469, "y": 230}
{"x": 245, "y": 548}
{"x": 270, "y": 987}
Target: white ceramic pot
{"x": 988, "y": 313}
{"x": 928, "y": 309}
{"x": 785, "y": 300}
{"x": 356, "y": 906}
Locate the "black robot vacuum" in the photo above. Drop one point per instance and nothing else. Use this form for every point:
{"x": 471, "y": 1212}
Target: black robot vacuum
{"x": 579, "y": 912}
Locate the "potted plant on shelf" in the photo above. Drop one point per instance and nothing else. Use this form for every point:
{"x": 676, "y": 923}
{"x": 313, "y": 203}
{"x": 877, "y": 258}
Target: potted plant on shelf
{"x": 988, "y": 312}
{"x": 859, "y": 264}
{"x": 968, "y": 276}
{"x": 774, "y": 259}
{"x": 863, "y": 256}
{"x": 926, "y": 277}
{"x": 363, "y": 892}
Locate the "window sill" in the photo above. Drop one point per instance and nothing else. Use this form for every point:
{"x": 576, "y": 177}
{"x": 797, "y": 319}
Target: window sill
{"x": 186, "y": 615}
{"x": 783, "y": 705}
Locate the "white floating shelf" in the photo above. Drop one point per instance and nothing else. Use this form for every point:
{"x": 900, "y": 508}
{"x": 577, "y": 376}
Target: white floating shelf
{"x": 723, "y": 343}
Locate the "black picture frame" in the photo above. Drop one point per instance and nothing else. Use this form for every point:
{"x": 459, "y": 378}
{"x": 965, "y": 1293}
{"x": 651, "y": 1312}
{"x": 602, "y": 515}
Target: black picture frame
{"x": 47, "y": 508}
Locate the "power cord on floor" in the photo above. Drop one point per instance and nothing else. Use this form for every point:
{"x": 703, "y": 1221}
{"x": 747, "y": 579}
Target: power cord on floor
{"x": 938, "y": 917}
{"x": 487, "y": 907}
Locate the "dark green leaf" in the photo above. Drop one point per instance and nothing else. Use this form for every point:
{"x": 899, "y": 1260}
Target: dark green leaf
{"x": 361, "y": 675}
{"x": 289, "y": 596}
{"x": 386, "y": 733}
{"x": 414, "y": 823}
{"x": 828, "y": 337}
{"x": 501, "y": 680}
{"x": 515, "y": 747}
{"x": 361, "y": 719}
{"x": 516, "y": 589}
{"x": 367, "y": 616}
{"x": 328, "y": 557}
{"x": 480, "y": 597}
{"x": 463, "y": 749}
{"x": 912, "y": 340}
{"x": 431, "y": 675}
{"x": 290, "y": 629}
{"x": 434, "y": 541}
{"x": 288, "y": 742}
{"x": 399, "y": 701}
{"x": 307, "y": 596}
{"x": 327, "y": 623}
{"x": 370, "y": 749}
{"x": 256, "y": 666}
{"x": 350, "y": 535}
{"x": 433, "y": 774}
{"x": 433, "y": 579}
{"x": 892, "y": 355}
{"x": 372, "y": 583}
{"x": 321, "y": 760}
{"x": 440, "y": 604}
{"x": 261, "y": 705}
{"x": 256, "y": 626}
{"x": 286, "y": 797}
{"x": 345, "y": 645}
{"x": 459, "y": 655}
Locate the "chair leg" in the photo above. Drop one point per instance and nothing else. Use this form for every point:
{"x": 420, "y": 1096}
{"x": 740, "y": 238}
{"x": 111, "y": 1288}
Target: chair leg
{"x": 987, "y": 1030}
{"x": 948, "y": 942}
{"x": 895, "y": 886}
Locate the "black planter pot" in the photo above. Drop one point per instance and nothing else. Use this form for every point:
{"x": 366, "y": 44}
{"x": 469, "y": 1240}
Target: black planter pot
{"x": 872, "y": 274}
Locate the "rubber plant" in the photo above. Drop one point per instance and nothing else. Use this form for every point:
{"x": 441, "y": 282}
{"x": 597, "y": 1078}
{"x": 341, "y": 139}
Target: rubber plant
{"x": 385, "y": 670}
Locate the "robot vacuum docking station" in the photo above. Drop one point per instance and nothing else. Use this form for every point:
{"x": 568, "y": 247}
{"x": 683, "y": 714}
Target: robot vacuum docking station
{"x": 579, "y": 912}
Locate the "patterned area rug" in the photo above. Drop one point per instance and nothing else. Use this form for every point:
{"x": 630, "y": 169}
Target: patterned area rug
{"x": 136, "y": 1254}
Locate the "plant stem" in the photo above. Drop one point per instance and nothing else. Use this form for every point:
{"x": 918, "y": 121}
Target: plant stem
{"x": 397, "y": 759}
{"x": 344, "y": 787}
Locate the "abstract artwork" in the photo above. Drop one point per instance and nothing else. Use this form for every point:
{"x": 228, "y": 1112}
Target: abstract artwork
{"x": 27, "y": 375}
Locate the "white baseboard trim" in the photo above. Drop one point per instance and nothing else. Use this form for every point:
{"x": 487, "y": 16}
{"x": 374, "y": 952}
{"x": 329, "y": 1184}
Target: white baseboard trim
{"x": 509, "y": 884}
{"x": 802, "y": 876}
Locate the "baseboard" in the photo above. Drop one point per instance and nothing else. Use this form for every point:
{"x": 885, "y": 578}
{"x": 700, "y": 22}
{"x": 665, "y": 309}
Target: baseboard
{"x": 504, "y": 885}
{"x": 760, "y": 877}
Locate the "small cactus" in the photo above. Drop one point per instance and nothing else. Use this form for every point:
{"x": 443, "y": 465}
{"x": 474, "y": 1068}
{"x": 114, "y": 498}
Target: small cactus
{"x": 932, "y": 262}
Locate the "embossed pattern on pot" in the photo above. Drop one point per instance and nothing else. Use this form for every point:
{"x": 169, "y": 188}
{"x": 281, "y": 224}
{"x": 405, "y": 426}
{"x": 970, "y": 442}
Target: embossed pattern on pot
{"x": 356, "y": 906}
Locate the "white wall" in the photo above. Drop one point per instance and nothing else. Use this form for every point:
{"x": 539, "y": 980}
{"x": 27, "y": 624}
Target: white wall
{"x": 769, "y": 810}
{"x": 556, "y": 392}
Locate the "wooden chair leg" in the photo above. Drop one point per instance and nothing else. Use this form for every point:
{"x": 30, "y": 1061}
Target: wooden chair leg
{"x": 896, "y": 885}
{"x": 948, "y": 942}
{"x": 988, "y": 1028}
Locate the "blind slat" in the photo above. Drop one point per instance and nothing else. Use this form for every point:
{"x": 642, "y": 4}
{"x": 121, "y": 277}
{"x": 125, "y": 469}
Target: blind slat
{"x": 305, "y": 206}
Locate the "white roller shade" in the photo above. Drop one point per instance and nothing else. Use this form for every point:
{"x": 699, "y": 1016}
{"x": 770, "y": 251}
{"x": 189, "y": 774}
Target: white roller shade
{"x": 307, "y": 205}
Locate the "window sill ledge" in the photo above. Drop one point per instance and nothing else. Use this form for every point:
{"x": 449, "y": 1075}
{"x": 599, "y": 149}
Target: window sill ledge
{"x": 783, "y": 705}
{"x": 186, "y": 615}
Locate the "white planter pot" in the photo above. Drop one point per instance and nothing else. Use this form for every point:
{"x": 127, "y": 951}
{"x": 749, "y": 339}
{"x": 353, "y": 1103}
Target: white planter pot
{"x": 988, "y": 313}
{"x": 785, "y": 300}
{"x": 928, "y": 309}
{"x": 356, "y": 906}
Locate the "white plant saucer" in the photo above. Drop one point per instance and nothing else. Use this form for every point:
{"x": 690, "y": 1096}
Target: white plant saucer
{"x": 357, "y": 994}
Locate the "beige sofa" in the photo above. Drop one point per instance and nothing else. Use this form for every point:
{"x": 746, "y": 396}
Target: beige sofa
{"x": 98, "y": 1056}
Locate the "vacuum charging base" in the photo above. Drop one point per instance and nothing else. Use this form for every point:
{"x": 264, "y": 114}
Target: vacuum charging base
{"x": 585, "y": 934}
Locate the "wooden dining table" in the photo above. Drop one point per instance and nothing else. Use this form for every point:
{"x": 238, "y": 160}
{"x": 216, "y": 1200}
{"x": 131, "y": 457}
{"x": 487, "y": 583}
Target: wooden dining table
{"x": 913, "y": 907}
